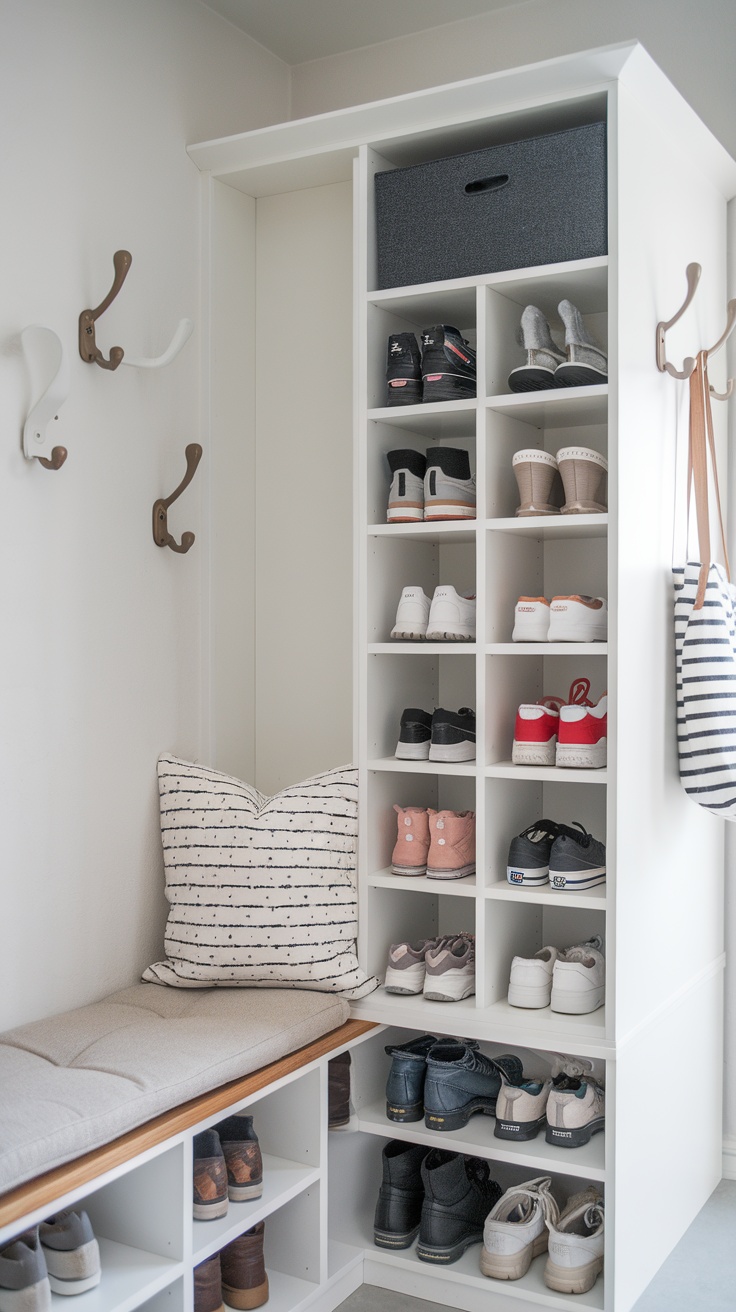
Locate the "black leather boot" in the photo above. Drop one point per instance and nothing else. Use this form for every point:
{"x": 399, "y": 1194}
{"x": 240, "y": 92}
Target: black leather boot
{"x": 400, "y": 1197}
{"x": 458, "y": 1195}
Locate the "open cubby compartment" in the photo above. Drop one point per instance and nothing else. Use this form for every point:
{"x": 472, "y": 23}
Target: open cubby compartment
{"x": 438, "y": 792}
{"x": 524, "y": 565}
{"x": 401, "y": 915}
{"x": 371, "y": 1066}
{"x": 170, "y": 1299}
{"x": 426, "y": 680}
{"x": 418, "y": 432}
{"x": 512, "y": 805}
{"x": 287, "y": 1122}
{"x": 584, "y": 282}
{"x": 512, "y": 680}
{"x": 295, "y": 1251}
{"x": 395, "y": 563}
{"x": 550, "y": 428}
{"x": 412, "y": 312}
{"x": 139, "y": 1221}
{"x": 356, "y": 1172}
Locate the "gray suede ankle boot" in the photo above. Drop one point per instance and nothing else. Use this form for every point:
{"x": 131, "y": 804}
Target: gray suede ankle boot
{"x": 587, "y": 363}
{"x": 543, "y": 355}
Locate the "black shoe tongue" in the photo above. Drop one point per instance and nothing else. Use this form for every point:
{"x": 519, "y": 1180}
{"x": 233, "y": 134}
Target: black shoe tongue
{"x": 511, "y": 1067}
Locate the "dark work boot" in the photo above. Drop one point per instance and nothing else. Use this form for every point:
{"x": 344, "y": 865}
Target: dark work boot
{"x": 405, "y": 1084}
{"x": 242, "y": 1158}
{"x": 338, "y": 1091}
{"x": 460, "y": 1080}
{"x": 210, "y": 1177}
{"x": 448, "y": 365}
{"x": 401, "y": 1195}
{"x": 403, "y": 370}
{"x": 458, "y": 1195}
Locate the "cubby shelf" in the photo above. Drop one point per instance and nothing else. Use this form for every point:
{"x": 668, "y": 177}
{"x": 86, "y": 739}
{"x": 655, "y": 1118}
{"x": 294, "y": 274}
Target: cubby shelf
{"x": 593, "y": 900}
{"x": 478, "y": 1140}
{"x": 448, "y": 419}
{"x": 130, "y": 1276}
{"x": 282, "y": 1181}
{"x": 565, "y": 407}
{"x": 547, "y": 649}
{"x": 465, "y": 887}
{"x": 429, "y": 768}
{"x": 537, "y": 1028}
{"x": 444, "y": 531}
{"x": 421, "y": 648}
{"x": 548, "y": 527}
{"x": 545, "y": 773}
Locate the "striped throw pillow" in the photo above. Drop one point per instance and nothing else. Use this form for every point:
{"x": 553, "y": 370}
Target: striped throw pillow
{"x": 262, "y": 889}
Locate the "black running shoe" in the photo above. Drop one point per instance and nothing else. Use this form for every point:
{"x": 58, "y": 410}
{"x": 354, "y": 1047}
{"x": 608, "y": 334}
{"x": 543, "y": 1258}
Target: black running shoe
{"x": 453, "y": 735}
{"x": 403, "y": 370}
{"x": 528, "y": 863}
{"x": 415, "y": 735}
{"x": 577, "y": 861}
{"x": 448, "y": 365}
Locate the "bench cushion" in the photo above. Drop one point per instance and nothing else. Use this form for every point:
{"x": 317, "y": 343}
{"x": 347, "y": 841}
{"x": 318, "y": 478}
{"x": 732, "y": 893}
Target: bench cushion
{"x": 75, "y": 1081}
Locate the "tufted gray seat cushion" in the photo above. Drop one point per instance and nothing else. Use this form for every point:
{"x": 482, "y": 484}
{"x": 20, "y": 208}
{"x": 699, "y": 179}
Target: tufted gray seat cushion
{"x": 75, "y": 1081}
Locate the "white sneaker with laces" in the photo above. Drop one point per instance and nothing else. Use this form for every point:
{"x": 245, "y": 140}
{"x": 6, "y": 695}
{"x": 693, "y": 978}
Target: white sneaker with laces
{"x": 451, "y": 616}
{"x": 530, "y": 983}
{"x": 531, "y": 620}
{"x": 579, "y": 979}
{"x": 412, "y": 614}
{"x": 578, "y": 619}
{"x": 575, "y": 1112}
{"x": 450, "y": 973}
{"x": 515, "y": 1230}
{"x": 576, "y": 1244}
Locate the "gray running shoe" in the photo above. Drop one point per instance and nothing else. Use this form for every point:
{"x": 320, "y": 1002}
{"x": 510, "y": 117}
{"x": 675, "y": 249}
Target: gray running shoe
{"x": 406, "y": 969}
{"x": 71, "y": 1251}
{"x": 450, "y": 969}
{"x": 24, "y": 1281}
{"x": 529, "y": 852}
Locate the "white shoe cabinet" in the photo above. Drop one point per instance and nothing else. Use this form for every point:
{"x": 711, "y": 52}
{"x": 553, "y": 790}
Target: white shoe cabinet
{"x": 287, "y": 189}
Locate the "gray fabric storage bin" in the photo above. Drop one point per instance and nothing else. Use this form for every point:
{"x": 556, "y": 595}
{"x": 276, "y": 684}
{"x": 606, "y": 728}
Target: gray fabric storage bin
{"x": 539, "y": 201}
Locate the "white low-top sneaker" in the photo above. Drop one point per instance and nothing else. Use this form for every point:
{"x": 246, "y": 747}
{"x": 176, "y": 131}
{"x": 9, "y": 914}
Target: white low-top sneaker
{"x": 579, "y": 979}
{"x": 578, "y": 619}
{"x": 530, "y": 982}
{"x": 576, "y": 1244}
{"x": 451, "y": 616}
{"x": 531, "y": 620}
{"x": 515, "y": 1230}
{"x": 412, "y": 614}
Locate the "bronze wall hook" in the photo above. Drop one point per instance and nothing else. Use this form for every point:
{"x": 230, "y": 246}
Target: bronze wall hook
{"x": 161, "y": 535}
{"x": 88, "y": 348}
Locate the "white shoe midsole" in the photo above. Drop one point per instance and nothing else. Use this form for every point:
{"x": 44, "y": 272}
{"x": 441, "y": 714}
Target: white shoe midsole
{"x": 534, "y": 753}
{"x": 412, "y": 751}
{"x": 452, "y": 752}
{"x": 452, "y": 986}
{"x": 529, "y": 995}
{"x": 577, "y": 1002}
{"x": 408, "y": 980}
{"x": 586, "y": 756}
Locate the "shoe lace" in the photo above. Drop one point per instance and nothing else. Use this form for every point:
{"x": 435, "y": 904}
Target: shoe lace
{"x": 541, "y": 829}
{"x": 577, "y": 696}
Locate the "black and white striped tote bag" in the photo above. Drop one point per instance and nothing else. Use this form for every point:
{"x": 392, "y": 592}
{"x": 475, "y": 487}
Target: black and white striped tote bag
{"x": 705, "y": 634}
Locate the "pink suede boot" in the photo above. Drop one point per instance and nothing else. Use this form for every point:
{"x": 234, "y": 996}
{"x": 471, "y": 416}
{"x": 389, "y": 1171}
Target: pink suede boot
{"x": 412, "y": 844}
{"x": 452, "y": 844}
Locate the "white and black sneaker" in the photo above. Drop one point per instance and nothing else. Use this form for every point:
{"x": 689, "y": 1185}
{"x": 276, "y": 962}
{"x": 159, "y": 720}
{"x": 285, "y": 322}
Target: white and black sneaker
{"x": 453, "y": 735}
{"x": 577, "y": 861}
{"x": 415, "y": 735}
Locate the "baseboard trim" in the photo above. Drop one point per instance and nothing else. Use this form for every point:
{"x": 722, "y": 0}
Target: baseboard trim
{"x": 729, "y": 1159}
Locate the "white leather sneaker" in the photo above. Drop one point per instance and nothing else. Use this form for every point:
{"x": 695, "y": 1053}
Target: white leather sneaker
{"x": 579, "y": 979}
{"x": 412, "y": 614}
{"x": 451, "y": 616}
{"x": 530, "y": 982}
{"x": 531, "y": 620}
{"x": 576, "y": 1244}
{"x": 515, "y": 1230}
{"x": 578, "y": 619}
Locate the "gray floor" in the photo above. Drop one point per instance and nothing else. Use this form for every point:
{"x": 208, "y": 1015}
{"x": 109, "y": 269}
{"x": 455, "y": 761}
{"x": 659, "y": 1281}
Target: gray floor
{"x": 699, "y": 1276}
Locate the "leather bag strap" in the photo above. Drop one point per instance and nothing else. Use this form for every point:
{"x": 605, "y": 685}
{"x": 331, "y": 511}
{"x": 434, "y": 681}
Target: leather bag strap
{"x": 701, "y": 439}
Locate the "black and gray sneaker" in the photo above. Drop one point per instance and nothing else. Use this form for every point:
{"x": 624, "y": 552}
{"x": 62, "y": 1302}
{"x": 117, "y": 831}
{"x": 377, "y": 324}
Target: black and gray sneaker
{"x": 529, "y": 852}
{"x": 448, "y": 365}
{"x": 403, "y": 370}
{"x": 453, "y": 735}
{"x": 458, "y": 1195}
{"x": 415, "y": 734}
{"x": 577, "y": 861}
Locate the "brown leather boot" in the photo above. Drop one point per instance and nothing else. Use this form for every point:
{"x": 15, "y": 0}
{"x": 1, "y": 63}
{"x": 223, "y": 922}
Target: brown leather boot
{"x": 208, "y": 1286}
{"x": 338, "y": 1091}
{"x": 210, "y": 1177}
{"x": 244, "y": 1279}
{"x": 242, "y": 1158}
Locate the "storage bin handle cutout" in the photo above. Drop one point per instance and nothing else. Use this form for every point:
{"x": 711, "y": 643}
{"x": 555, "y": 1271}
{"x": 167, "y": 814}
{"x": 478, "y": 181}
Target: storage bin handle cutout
{"x": 482, "y": 185}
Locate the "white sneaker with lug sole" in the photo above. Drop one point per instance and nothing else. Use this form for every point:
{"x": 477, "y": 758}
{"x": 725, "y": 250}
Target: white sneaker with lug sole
{"x": 515, "y": 1231}
{"x": 578, "y": 618}
{"x": 451, "y": 616}
{"x": 412, "y": 614}
{"x": 576, "y": 1244}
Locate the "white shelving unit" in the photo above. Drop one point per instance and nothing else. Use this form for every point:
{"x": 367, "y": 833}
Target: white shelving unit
{"x": 288, "y": 209}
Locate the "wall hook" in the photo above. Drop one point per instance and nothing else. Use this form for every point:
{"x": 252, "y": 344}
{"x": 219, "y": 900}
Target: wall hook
{"x": 730, "y": 325}
{"x": 88, "y": 348}
{"x": 49, "y": 371}
{"x": 692, "y": 273}
{"x": 161, "y": 535}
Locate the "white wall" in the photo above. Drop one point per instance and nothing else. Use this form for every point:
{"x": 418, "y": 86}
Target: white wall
{"x": 102, "y": 654}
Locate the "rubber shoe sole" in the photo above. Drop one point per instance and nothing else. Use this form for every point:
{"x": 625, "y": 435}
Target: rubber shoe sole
{"x": 519, "y": 1130}
{"x": 387, "y": 1239}
{"x": 577, "y": 1280}
{"x": 571, "y": 756}
{"x": 534, "y": 753}
{"x": 444, "y": 1256}
{"x": 458, "y": 1119}
{"x": 514, "y": 1265}
{"x": 398, "y": 1113}
{"x": 576, "y": 1138}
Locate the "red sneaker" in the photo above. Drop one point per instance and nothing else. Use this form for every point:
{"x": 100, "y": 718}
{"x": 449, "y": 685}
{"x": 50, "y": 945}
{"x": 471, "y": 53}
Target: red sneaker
{"x": 582, "y": 735}
{"x": 537, "y": 726}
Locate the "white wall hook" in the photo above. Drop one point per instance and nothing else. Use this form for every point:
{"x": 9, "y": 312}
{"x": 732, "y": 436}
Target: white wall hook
{"x": 182, "y": 335}
{"x": 49, "y": 371}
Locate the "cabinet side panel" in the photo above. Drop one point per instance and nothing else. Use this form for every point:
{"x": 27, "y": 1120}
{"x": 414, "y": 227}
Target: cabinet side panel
{"x": 304, "y": 582}
{"x": 669, "y": 851}
{"x": 232, "y": 337}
